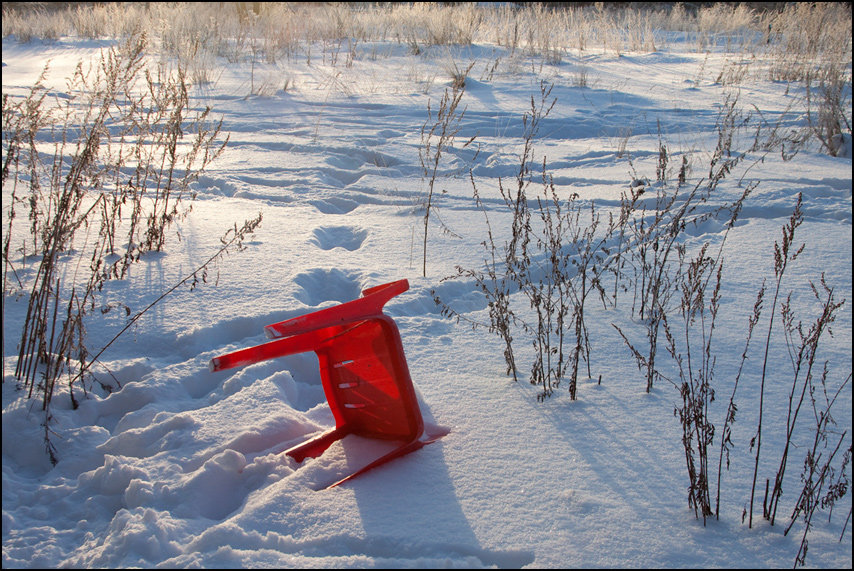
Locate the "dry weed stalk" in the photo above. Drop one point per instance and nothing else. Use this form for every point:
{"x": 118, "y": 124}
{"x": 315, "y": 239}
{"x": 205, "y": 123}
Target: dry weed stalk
{"x": 554, "y": 257}
{"x": 785, "y": 252}
{"x": 437, "y": 134}
{"x": 125, "y": 149}
{"x": 691, "y": 350}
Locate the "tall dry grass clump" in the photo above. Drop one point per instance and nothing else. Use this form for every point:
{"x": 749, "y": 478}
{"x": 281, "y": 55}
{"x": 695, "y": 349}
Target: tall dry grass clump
{"x": 96, "y": 180}
{"x": 539, "y": 280}
{"x": 806, "y": 41}
{"x": 794, "y": 35}
{"x": 797, "y": 41}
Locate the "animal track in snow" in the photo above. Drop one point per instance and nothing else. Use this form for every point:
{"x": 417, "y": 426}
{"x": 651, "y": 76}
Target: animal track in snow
{"x": 321, "y": 285}
{"x": 335, "y": 205}
{"x": 347, "y": 237}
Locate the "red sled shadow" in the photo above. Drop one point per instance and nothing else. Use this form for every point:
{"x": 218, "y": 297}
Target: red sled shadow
{"x": 363, "y": 370}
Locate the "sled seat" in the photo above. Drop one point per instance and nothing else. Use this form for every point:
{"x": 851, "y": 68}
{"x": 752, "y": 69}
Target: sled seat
{"x": 363, "y": 371}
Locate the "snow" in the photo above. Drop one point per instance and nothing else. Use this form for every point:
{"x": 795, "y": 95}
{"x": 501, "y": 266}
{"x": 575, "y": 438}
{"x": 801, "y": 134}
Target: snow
{"x": 182, "y": 467}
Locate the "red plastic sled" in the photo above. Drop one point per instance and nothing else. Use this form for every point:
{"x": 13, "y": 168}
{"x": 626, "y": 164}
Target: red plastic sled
{"x": 363, "y": 370}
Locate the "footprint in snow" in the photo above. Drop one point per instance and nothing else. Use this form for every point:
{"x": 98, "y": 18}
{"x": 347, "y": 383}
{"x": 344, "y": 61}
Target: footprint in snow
{"x": 320, "y": 285}
{"x": 347, "y": 237}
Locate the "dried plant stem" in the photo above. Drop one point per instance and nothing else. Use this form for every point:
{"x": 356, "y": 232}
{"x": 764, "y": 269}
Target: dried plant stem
{"x": 784, "y": 253}
{"x": 125, "y": 138}
{"x": 233, "y": 239}
{"x": 436, "y": 136}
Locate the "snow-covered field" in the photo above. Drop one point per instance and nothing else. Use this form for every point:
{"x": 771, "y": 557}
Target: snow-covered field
{"x": 182, "y": 467}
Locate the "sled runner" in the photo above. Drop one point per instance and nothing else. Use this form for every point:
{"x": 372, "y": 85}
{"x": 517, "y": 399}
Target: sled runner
{"x": 362, "y": 368}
